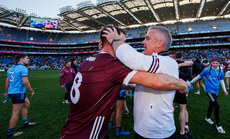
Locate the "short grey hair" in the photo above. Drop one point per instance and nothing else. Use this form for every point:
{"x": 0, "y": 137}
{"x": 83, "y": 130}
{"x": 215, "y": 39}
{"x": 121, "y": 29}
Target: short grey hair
{"x": 163, "y": 34}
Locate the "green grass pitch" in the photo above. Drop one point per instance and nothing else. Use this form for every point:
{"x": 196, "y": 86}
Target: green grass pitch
{"x": 48, "y": 111}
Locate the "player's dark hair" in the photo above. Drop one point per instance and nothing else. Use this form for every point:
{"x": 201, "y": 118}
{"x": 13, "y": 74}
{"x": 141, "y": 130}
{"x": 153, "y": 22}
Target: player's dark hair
{"x": 178, "y": 55}
{"x": 119, "y": 30}
{"x": 19, "y": 56}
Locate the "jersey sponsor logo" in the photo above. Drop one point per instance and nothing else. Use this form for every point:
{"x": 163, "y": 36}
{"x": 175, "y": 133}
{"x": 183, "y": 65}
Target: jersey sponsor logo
{"x": 212, "y": 78}
{"x": 75, "y": 92}
{"x": 98, "y": 122}
{"x": 91, "y": 58}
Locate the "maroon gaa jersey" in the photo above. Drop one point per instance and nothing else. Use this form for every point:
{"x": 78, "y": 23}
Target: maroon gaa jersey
{"x": 93, "y": 96}
{"x": 227, "y": 66}
{"x": 66, "y": 76}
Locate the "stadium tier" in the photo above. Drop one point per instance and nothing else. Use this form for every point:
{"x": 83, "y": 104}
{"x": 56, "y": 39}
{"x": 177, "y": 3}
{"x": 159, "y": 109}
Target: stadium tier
{"x": 50, "y": 48}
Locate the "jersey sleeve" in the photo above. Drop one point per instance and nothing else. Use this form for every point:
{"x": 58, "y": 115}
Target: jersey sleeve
{"x": 24, "y": 72}
{"x": 135, "y": 60}
{"x": 204, "y": 72}
{"x": 119, "y": 73}
{"x": 221, "y": 75}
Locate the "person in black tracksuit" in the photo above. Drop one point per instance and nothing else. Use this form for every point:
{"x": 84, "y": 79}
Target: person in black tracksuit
{"x": 181, "y": 98}
{"x": 74, "y": 64}
{"x": 197, "y": 68}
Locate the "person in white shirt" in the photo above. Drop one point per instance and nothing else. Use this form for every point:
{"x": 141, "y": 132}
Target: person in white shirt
{"x": 153, "y": 109}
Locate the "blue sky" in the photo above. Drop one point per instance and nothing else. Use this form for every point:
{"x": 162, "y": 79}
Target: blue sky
{"x": 43, "y": 8}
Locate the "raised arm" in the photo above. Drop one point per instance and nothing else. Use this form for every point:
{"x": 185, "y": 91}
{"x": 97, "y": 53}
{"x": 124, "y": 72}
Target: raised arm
{"x": 185, "y": 63}
{"x": 127, "y": 54}
{"x": 159, "y": 81}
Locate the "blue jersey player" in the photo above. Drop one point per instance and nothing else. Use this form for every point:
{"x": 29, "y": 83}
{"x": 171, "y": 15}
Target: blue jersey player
{"x": 16, "y": 84}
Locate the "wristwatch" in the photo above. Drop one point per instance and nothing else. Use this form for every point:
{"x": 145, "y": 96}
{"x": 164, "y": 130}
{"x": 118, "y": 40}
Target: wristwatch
{"x": 115, "y": 39}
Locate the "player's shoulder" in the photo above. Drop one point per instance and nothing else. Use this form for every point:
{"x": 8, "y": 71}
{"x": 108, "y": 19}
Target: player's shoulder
{"x": 167, "y": 60}
{"x": 22, "y": 67}
{"x": 102, "y": 58}
{"x": 207, "y": 68}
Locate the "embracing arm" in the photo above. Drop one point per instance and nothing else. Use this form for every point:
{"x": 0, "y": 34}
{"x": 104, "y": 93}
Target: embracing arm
{"x": 126, "y": 53}
{"x": 134, "y": 59}
{"x": 159, "y": 81}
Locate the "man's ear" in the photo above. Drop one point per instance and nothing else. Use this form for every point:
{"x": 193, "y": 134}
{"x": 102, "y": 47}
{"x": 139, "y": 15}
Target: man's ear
{"x": 160, "y": 43}
{"x": 100, "y": 44}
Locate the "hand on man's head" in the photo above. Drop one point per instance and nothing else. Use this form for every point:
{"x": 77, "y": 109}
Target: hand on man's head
{"x": 111, "y": 33}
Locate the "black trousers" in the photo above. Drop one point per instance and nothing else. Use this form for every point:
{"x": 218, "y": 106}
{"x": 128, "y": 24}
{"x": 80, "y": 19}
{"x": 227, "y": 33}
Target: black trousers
{"x": 67, "y": 91}
{"x": 213, "y": 105}
{"x": 137, "y": 136}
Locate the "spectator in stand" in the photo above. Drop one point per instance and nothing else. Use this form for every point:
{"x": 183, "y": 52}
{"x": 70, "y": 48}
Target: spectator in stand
{"x": 66, "y": 77}
{"x": 196, "y": 70}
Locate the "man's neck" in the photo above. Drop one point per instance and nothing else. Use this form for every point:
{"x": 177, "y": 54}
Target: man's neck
{"x": 20, "y": 63}
{"x": 178, "y": 59}
{"x": 107, "y": 49}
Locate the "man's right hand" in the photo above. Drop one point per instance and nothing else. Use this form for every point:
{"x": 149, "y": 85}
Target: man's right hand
{"x": 62, "y": 86}
{"x": 187, "y": 85}
{"x": 6, "y": 94}
{"x": 110, "y": 34}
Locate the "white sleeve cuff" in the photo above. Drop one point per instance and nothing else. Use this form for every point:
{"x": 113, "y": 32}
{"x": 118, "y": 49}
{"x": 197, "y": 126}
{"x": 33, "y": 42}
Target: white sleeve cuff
{"x": 128, "y": 77}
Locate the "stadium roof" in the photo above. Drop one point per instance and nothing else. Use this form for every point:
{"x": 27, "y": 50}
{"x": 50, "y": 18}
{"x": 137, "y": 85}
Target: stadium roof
{"x": 87, "y": 16}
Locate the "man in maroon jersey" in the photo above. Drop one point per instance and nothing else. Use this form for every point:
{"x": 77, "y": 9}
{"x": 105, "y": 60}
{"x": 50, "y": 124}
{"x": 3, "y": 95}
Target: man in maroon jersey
{"x": 96, "y": 87}
{"x": 66, "y": 77}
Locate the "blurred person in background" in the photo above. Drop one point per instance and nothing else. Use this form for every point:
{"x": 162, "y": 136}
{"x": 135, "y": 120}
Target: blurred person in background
{"x": 196, "y": 70}
{"x": 66, "y": 77}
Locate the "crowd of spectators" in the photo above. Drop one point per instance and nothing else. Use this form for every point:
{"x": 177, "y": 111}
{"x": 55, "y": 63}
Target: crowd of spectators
{"x": 40, "y": 61}
{"x": 12, "y": 49}
{"x": 57, "y": 61}
{"x": 201, "y": 41}
{"x": 207, "y": 53}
